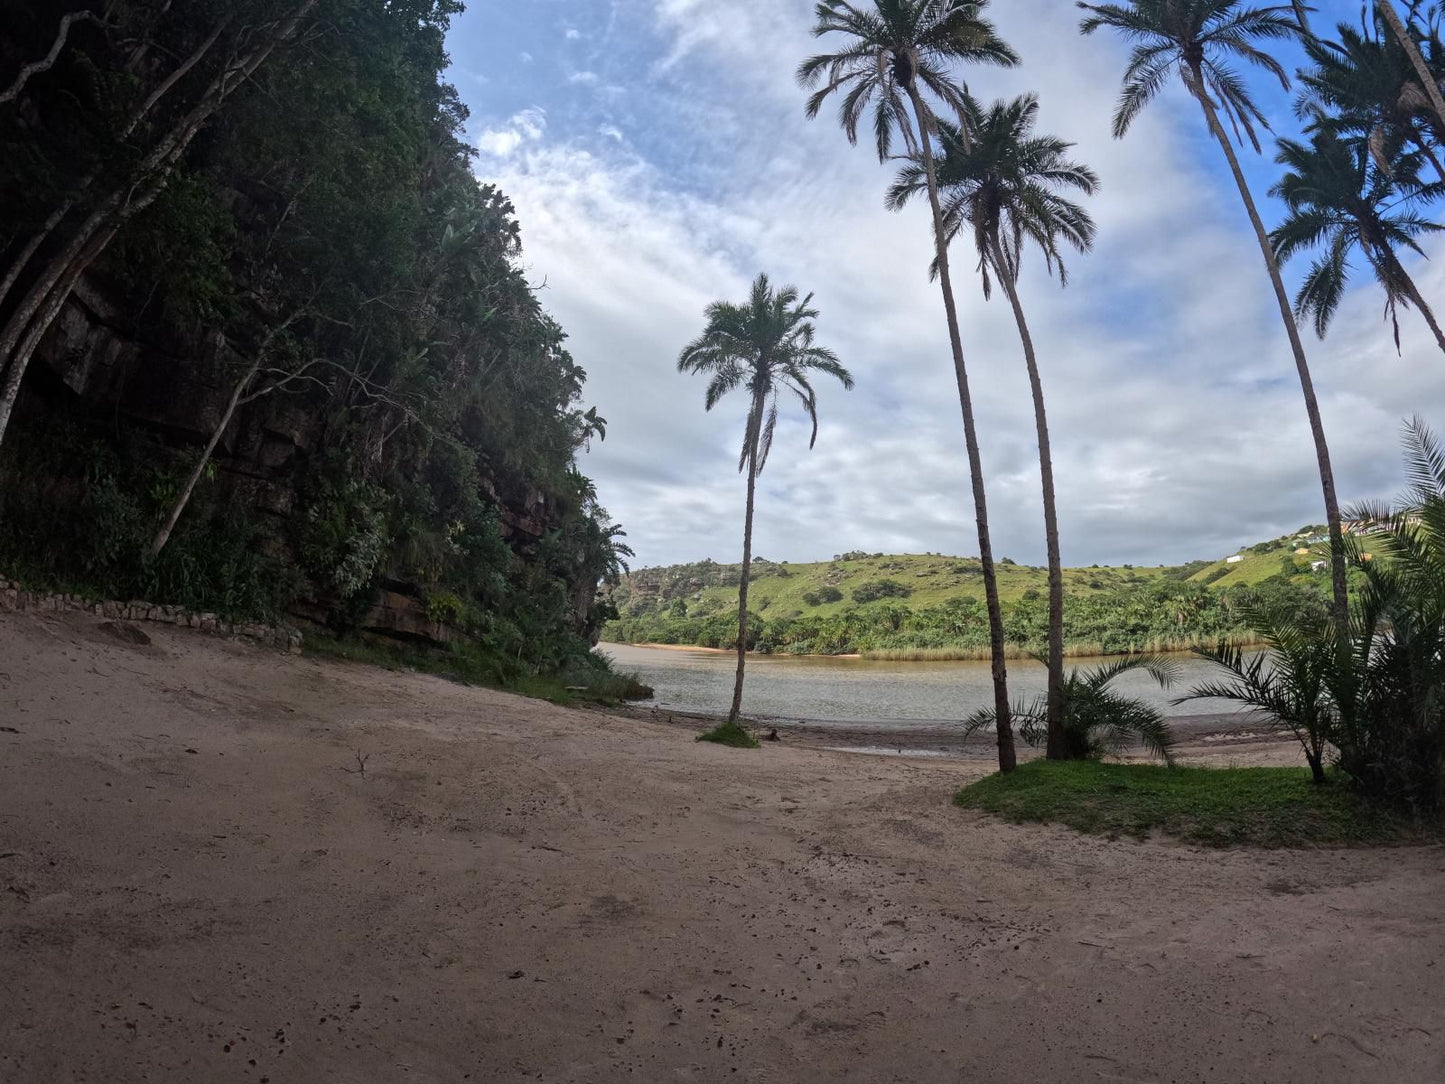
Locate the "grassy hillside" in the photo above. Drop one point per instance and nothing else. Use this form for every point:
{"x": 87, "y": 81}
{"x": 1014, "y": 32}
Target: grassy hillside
{"x": 930, "y": 605}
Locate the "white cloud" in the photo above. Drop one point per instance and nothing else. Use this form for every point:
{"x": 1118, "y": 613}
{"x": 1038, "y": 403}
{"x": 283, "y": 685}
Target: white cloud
{"x": 582, "y": 78}
{"x": 572, "y": 33}
{"x": 1176, "y": 416}
{"x": 528, "y": 126}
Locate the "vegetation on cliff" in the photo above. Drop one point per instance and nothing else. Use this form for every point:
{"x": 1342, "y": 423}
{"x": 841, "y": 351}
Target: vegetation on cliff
{"x": 308, "y": 368}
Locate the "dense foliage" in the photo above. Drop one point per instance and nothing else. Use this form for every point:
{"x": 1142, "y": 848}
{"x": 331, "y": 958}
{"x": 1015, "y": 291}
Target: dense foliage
{"x": 322, "y": 246}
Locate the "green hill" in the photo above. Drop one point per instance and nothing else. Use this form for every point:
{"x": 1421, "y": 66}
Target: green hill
{"x": 930, "y": 605}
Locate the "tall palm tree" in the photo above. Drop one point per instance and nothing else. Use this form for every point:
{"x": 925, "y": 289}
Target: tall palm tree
{"x": 896, "y": 55}
{"x": 1004, "y": 182}
{"x": 1337, "y": 199}
{"x": 1363, "y": 85}
{"x": 1198, "y": 39}
{"x": 765, "y": 345}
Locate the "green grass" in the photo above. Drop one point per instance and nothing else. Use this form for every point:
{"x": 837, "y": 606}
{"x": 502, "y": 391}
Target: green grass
{"x": 583, "y": 684}
{"x": 1267, "y": 807}
{"x": 732, "y": 734}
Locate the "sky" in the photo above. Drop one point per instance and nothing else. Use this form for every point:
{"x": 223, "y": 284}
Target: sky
{"x": 659, "y": 157}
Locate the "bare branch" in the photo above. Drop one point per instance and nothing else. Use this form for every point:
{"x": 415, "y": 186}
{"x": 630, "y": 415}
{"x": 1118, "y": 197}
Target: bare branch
{"x": 44, "y": 65}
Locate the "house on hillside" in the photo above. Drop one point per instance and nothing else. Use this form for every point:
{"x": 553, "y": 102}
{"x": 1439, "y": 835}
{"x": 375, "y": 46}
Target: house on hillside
{"x": 1236, "y": 559}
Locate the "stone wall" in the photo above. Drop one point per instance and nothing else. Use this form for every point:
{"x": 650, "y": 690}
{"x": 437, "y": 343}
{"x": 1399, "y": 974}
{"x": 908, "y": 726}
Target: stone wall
{"x": 16, "y": 599}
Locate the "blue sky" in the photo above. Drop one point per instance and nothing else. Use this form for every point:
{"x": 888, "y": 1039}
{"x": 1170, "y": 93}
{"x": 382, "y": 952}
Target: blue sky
{"x": 659, "y": 158}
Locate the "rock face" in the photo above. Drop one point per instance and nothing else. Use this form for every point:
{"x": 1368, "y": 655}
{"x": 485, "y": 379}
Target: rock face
{"x": 178, "y": 391}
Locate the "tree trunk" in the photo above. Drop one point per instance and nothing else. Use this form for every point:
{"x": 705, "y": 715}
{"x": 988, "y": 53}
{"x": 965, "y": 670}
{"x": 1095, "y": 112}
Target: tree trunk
{"x": 755, "y": 418}
{"x": 1402, "y": 34}
{"x": 1007, "y": 756}
{"x": 1057, "y": 747}
{"x": 164, "y": 534}
{"x": 27, "y": 345}
{"x": 59, "y": 215}
{"x": 32, "y": 318}
{"x": 1286, "y": 312}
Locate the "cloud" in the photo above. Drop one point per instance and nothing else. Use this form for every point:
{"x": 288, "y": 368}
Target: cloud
{"x": 527, "y": 126}
{"x": 1176, "y": 417}
{"x": 572, "y": 33}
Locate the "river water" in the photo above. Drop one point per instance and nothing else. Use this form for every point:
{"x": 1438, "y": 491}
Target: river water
{"x": 847, "y": 693}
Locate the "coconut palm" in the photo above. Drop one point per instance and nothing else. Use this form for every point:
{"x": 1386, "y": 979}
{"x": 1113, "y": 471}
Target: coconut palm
{"x": 1386, "y": 11}
{"x": 1363, "y": 85}
{"x": 1004, "y": 182}
{"x": 1097, "y": 721}
{"x": 1337, "y": 199}
{"x": 766, "y": 346}
{"x": 895, "y": 57}
{"x": 1198, "y": 39}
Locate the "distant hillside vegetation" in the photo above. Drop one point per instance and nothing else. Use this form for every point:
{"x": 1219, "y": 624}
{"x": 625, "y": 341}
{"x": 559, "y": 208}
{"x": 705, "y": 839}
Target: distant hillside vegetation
{"x": 931, "y": 606}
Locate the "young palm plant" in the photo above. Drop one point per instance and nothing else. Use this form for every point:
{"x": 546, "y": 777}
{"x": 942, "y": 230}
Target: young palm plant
{"x": 1097, "y": 721}
{"x": 766, "y": 346}
{"x": 1198, "y": 39}
{"x": 1338, "y": 199}
{"x": 1005, "y": 183}
{"x": 895, "y": 57}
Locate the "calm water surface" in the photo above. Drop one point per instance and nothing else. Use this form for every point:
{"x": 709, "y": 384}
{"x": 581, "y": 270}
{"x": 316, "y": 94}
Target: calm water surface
{"x": 862, "y": 692}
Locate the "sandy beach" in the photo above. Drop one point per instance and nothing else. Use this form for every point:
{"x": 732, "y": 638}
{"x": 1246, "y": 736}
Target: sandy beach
{"x": 219, "y": 863}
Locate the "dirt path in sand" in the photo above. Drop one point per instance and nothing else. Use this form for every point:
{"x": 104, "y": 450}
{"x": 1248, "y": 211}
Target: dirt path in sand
{"x": 196, "y": 885}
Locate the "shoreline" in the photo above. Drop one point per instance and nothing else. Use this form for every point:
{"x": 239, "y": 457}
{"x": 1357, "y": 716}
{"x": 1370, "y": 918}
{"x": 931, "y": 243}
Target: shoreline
{"x": 1014, "y": 653}
{"x": 1212, "y": 731}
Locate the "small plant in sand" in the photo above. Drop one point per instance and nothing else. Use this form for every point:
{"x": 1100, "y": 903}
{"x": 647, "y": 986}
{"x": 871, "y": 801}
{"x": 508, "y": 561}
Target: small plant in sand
{"x": 730, "y": 733}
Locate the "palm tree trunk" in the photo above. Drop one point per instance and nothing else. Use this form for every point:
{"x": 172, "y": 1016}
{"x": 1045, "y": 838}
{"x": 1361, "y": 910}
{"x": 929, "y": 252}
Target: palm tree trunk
{"x": 1286, "y": 312}
{"x": 1056, "y": 749}
{"x": 1007, "y": 756}
{"x": 1428, "y": 84}
{"x": 754, "y": 425}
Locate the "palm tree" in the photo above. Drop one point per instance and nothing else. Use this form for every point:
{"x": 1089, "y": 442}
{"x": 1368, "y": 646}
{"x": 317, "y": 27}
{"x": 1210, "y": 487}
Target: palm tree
{"x": 1363, "y": 85}
{"x": 1386, "y": 11}
{"x": 1096, "y": 720}
{"x": 895, "y": 51}
{"x": 1336, "y": 199}
{"x": 1004, "y": 181}
{"x": 765, "y": 345}
{"x": 1198, "y": 38}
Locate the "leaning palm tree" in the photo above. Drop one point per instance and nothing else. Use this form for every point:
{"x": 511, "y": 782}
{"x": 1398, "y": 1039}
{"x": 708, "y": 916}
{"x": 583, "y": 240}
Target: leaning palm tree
{"x": 896, "y": 56}
{"x": 766, "y": 346}
{"x": 1198, "y": 39}
{"x": 1336, "y": 198}
{"x": 1003, "y": 182}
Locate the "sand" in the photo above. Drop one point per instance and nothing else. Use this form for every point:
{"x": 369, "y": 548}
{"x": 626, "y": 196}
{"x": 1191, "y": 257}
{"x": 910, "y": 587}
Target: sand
{"x": 198, "y": 883}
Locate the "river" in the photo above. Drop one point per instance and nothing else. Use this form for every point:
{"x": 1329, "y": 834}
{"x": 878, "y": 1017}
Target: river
{"x": 845, "y": 693}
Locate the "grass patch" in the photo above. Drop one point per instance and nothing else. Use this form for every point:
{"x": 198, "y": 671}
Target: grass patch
{"x": 1266, "y": 807}
{"x": 589, "y": 681}
{"x": 732, "y": 734}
